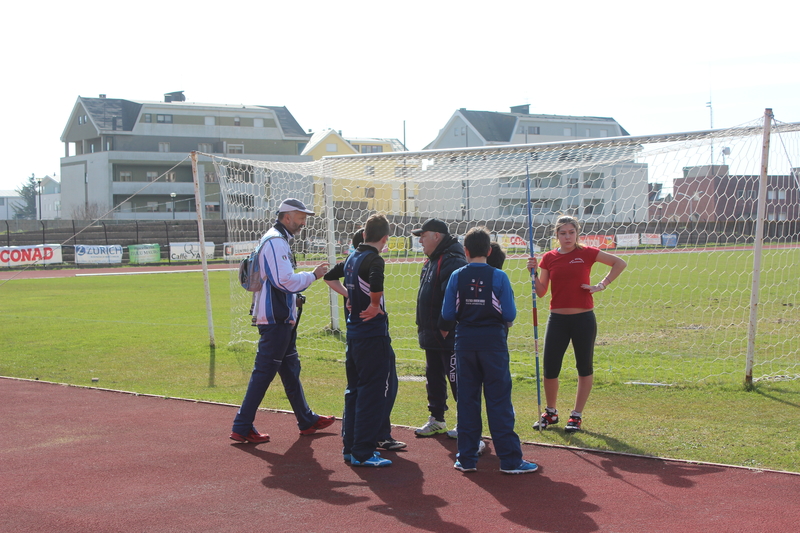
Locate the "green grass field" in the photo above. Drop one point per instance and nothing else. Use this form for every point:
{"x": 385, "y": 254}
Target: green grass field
{"x": 148, "y": 333}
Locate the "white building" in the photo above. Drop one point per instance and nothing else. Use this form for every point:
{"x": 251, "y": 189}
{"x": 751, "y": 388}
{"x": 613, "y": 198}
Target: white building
{"x": 8, "y": 201}
{"x": 114, "y": 148}
{"x": 613, "y": 193}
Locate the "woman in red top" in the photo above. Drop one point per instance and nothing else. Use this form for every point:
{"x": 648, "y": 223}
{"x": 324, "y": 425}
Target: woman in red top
{"x": 571, "y": 314}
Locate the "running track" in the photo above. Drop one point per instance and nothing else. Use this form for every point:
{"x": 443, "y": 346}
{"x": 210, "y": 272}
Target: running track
{"x": 90, "y": 460}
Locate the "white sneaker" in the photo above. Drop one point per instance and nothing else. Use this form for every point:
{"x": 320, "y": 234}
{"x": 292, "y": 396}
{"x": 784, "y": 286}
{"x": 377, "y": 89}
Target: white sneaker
{"x": 481, "y": 447}
{"x": 433, "y": 427}
{"x": 453, "y": 433}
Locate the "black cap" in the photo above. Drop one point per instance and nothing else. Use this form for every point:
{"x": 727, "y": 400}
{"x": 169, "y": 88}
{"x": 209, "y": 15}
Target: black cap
{"x": 432, "y": 224}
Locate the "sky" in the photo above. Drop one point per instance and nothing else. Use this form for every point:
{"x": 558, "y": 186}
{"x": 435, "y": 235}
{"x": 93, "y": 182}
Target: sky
{"x": 399, "y": 69}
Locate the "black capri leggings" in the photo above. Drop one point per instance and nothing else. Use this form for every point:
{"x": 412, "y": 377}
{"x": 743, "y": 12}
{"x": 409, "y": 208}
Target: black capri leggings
{"x": 581, "y": 329}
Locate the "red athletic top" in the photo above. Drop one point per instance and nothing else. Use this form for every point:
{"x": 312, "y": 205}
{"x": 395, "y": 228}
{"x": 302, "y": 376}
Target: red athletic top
{"x": 567, "y": 273}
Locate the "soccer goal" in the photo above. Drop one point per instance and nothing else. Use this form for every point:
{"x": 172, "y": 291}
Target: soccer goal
{"x": 711, "y": 238}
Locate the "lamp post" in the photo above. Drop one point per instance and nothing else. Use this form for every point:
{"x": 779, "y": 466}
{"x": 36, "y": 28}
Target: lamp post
{"x": 39, "y": 182}
{"x": 173, "y": 195}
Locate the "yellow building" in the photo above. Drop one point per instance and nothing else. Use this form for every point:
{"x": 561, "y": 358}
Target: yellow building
{"x": 368, "y": 184}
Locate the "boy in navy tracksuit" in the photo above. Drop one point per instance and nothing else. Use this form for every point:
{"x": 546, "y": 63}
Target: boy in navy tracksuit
{"x": 480, "y": 299}
{"x": 370, "y": 359}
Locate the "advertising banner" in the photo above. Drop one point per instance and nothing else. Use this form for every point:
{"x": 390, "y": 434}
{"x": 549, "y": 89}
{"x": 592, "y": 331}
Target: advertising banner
{"x": 669, "y": 240}
{"x": 42, "y": 254}
{"x": 627, "y": 240}
{"x": 512, "y": 241}
{"x": 94, "y": 255}
{"x": 144, "y": 253}
{"x": 236, "y": 251}
{"x": 598, "y": 241}
{"x": 651, "y": 238}
{"x": 189, "y": 251}
{"x": 397, "y": 244}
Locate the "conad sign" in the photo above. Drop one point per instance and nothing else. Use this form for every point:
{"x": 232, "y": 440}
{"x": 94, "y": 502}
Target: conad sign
{"x": 44, "y": 254}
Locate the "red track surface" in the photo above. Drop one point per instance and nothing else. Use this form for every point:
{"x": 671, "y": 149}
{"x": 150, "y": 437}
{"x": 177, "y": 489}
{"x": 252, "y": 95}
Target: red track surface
{"x": 87, "y": 460}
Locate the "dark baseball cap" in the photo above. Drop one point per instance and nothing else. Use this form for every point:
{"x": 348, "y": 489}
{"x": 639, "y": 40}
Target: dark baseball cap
{"x": 293, "y": 204}
{"x": 432, "y": 224}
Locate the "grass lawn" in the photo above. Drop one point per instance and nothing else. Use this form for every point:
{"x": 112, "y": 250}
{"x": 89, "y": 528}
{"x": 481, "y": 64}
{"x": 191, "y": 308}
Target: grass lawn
{"x": 148, "y": 334}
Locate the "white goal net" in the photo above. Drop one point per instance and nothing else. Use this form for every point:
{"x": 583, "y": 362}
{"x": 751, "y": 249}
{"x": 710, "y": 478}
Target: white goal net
{"x": 684, "y": 210}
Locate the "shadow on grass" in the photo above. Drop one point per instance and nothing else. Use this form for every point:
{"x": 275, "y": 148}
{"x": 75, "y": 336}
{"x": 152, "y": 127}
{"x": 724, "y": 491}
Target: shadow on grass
{"x": 774, "y": 397}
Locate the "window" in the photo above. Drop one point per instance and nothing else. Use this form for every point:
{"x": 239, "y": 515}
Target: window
{"x": 258, "y": 122}
{"x": 212, "y": 208}
{"x": 463, "y": 130}
{"x": 533, "y": 130}
{"x": 567, "y": 132}
{"x": 592, "y": 180}
{"x": 511, "y": 181}
{"x": 211, "y": 177}
{"x": 235, "y": 148}
{"x": 152, "y": 176}
{"x": 205, "y": 147}
{"x": 369, "y": 171}
{"x": 148, "y": 117}
{"x": 116, "y": 123}
{"x": 572, "y": 183}
{"x": 163, "y": 147}
{"x": 779, "y": 194}
{"x": 125, "y": 176}
{"x": 80, "y": 120}
{"x": 237, "y": 121}
{"x": 521, "y": 129}
{"x": 371, "y": 149}
{"x": 546, "y": 179}
{"x": 403, "y": 172}
{"x": 211, "y": 121}
{"x": 592, "y": 207}
{"x": 109, "y": 144}
{"x": 164, "y": 119}
{"x": 152, "y": 207}
{"x": 510, "y": 207}
{"x": 456, "y": 131}
{"x": 331, "y": 147}
{"x": 170, "y": 176}
{"x": 369, "y": 192}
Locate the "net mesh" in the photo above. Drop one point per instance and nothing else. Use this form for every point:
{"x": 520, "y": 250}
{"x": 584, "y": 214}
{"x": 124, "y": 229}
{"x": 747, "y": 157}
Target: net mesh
{"x": 681, "y": 209}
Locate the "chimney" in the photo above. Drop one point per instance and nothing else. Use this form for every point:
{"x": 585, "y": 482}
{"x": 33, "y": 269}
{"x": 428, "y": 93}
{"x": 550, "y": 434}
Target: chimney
{"x": 522, "y": 109}
{"x": 175, "y": 96}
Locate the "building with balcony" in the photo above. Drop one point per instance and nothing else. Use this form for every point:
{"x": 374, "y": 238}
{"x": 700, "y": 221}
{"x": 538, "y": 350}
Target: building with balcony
{"x": 612, "y": 193}
{"x": 127, "y": 159}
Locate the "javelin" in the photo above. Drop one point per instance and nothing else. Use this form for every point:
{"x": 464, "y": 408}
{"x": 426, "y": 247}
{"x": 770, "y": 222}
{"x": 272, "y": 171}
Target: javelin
{"x": 533, "y": 294}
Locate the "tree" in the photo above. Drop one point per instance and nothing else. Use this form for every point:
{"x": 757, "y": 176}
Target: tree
{"x": 27, "y": 192}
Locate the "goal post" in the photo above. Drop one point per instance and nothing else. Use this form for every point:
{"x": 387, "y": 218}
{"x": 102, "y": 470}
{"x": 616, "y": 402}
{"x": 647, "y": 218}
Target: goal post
{"x": 681, "y": 209}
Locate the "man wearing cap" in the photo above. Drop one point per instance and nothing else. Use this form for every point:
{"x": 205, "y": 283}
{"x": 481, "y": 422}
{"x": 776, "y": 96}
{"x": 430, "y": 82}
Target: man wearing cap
{"x": 275, "y": 313}
{"x": 445, "y": 255}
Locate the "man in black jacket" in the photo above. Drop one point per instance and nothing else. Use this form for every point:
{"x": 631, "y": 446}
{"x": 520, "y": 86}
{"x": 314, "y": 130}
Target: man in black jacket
{"x": 445, "y": 255}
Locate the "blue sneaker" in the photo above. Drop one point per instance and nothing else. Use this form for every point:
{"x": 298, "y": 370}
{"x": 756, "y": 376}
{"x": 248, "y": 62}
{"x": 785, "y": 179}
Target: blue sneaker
{"x": 458, "y": 466}
{"x": 375, "y": 460}
{"x": 524, "y": 468}
{"x": 349, "y": 457}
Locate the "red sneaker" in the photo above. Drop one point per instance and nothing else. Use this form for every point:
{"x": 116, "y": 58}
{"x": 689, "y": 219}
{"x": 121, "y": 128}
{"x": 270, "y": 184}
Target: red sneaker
{"x": 321, "y": 423}
{"x": 253, "y": 437}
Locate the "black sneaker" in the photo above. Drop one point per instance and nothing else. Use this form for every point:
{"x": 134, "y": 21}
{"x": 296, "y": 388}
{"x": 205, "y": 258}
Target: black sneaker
{"x": 573, "y": 424}
{"x": 547, "y": 419}
{"x": 391, "y": 444}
